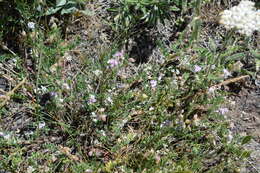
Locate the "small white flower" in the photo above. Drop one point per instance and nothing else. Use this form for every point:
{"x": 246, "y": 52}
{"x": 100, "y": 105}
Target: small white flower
{"x": 229, "y": 136}
{"x": 66, "y": 86}
{"x": 41, "y": 125}
{"x": 30, "y": 169}
{"x": 29, "y": 133}
{"x": 166, "y": 123}
{"x": 92, "y": 99}
{"x": 226, "y": 73}
{"x": 97, "y": 72}
{"x": 222, "y": 111}
{"x": 94, "y": 117}
{"x": 41, "y": 89}
{"x": 211, "y": 90}
{"x": 60, "y": 100}
{"x": 31, "y": 25}
{"x": 213, "y": 66}
{"x": 197, "y": 68}
{"x": 109, "y": 100}
{"x": 153, "y": 83}
{"x": 161, "y": 75}
{"x": 103, "y": 133}
{"x": 151, "y": 108}
{"x": 68, "y": 58}
{"x": 88, "y": 171}
{"x": 5, "y": 136}
{"x": 196, "y": 120}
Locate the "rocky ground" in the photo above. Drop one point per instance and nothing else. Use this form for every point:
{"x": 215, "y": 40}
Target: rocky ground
{"x": 244, "y": 118}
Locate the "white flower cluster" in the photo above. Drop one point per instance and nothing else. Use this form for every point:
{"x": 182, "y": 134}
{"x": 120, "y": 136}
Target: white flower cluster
{"x": 244, "y": 17}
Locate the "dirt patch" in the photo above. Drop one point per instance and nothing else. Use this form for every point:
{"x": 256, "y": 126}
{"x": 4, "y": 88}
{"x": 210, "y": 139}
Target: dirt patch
{"x": 244, "y": 118}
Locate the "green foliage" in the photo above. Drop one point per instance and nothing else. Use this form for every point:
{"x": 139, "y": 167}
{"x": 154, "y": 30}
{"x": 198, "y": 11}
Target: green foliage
{"x": 131, "y": 16}
{"x": 68, "y": 7}
{"x": 14, "y": 17}
{"x": 129, "y": 13}
{"x": 112, "y": 116}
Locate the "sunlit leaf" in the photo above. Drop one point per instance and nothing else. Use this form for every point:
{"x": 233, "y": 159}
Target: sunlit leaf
{"x": 60, "y": 3}
{"x": 246, "y": 140}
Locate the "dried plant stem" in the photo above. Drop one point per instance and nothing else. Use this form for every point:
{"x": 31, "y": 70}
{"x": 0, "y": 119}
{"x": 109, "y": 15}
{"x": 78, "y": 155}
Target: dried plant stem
{"x": 6, "y": 97}
{"x": 4, "y": 47}
{"x": 233, "y": 80}
{"x": 226, "y": 82}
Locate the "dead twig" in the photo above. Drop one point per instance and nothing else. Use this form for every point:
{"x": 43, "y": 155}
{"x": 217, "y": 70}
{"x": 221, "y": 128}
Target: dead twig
{"x": 226, "y": 82}
{"x": 4, "y": 47}
{"x": 7, "y": 96}
{"x": 233, "y": 80}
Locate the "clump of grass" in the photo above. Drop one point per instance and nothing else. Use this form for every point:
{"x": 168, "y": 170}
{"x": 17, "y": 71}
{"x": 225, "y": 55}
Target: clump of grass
{"x": 108, "y": 114}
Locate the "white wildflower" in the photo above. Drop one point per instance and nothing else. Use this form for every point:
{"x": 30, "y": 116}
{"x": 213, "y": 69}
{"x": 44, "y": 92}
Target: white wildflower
{"x": 213, "y": 66}
{"x": 41, "y": 125}
{"x": 92, "y": 99}
{"x": 29, "y": 133}
{"x": 166, "y": 123}
{"x": 153, "y": 83}
{"x": 60, "y": 100}
{"x": 211, "y": 90}
{"x": 5, "y": 135}
{"x": 88, "y": 171}
{"x": 196, "y": 120}
{"x": 68, "y": 57}
{"x": 226, "y": 73}
{"x": 244, "y": 18}
{"x": 31, "y": 25}
{"x": 97, "y": 72}
{"x": 109, "y": 100}
{"x": 103, "y": 133}
{"x": 151, "y": 108}
{"x": 197, "y": 68}
{"x": 222, "y": 111}
{"x": 94, "y": 117}
{"x": 30, "y": 169}
{"x": 41, "y": 90}
{"x": 66, "y": 86}
{"x": 229, "y": 137}
{"x": 161, "y": 75}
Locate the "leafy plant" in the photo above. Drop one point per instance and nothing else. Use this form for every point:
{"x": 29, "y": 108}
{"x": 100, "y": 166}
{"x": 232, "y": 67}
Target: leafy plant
{"x": 14, "y": 18}
{"x": 67, "y": 7}
{"x": 130, "y": 15}
{"x": 105, "y": 114}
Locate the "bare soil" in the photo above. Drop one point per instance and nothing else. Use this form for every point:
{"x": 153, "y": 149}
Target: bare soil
{"x": 244, "y": 117}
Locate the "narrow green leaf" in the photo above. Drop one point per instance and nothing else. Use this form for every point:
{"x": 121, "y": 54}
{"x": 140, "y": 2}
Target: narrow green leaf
{"x": 212, "y": 45}
{"x": 245, "y": 154}
{"x": 235, "y": 57}
{"x": 51, "y": 11}
{"x": 246, "y": 139}
{"x": 68, "y": 10}
{"x": 255, "y": 53}
{"x": 60, "y": 3}
{"x": 174, "y": 8}
{"x": 257, "y": 63}
{"x": 196, "y": 29}
{"x": 87, "y": 12}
